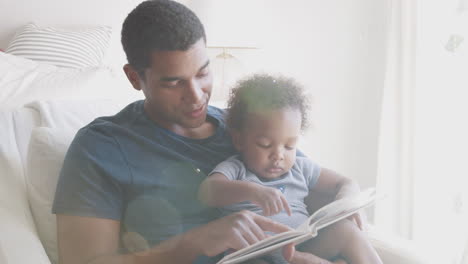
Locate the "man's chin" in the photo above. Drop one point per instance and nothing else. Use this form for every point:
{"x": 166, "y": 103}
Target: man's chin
{"x": 195, "y": 123}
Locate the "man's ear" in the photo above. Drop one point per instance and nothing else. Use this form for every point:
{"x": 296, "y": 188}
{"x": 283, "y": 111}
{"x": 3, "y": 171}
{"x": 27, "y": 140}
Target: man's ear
{"x": 133, "y": 76}
{"x": 236, "y": 139}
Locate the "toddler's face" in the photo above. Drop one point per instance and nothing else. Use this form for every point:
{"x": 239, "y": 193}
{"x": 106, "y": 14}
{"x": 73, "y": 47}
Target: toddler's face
{"x": 268, "y": 141}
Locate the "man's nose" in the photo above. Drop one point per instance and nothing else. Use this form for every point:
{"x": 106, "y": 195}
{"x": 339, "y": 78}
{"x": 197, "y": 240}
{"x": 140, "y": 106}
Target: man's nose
{"x": 194, "y": 92}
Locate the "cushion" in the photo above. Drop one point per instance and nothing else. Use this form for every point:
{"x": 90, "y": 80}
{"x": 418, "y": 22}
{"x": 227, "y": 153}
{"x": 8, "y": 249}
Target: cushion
{"x": 47, "y": 149}
{"x": 19, "y": 242}
{"x": 48, "y": 144}
{"x": 60, "y": 47}
{"x": 24, "y": 80}
{"x": 74, "y": 114}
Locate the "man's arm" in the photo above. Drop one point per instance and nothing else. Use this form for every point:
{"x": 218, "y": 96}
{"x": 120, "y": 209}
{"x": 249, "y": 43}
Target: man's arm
{"x": 95, "y": 240}
{"x": 332, "y": 186}
{"x": 84, "y": 240}
{"x": 329, "y": 187}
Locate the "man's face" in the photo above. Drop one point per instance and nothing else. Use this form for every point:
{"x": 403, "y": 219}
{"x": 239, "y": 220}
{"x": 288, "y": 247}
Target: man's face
{"x": 177, "y": 88}
{"x": 268, "y": 142}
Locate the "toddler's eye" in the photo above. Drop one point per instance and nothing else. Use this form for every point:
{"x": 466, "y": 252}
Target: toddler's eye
{"x": 263, "y": 145}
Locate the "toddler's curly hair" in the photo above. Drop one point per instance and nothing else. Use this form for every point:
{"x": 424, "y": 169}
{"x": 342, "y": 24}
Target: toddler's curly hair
{"x": 263, "y": 92}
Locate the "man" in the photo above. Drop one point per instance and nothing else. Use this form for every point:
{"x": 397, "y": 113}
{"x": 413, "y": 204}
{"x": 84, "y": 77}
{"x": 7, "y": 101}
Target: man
{"x": 129, "y": 182}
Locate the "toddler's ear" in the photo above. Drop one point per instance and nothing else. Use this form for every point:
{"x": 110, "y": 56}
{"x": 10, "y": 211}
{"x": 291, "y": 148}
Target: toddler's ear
{"x": 236, "y": 139}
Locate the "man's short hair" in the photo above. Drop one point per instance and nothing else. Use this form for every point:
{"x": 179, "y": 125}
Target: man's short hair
{"x": 158, "y": 25}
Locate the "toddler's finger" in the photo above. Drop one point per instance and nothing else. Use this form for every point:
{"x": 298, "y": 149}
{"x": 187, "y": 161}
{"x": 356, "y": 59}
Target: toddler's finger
{"x": 266, "y": 210}
{"x": 276, "y": 209}
{"x": 359, "y": 221}
{"x": 286, "y": 205}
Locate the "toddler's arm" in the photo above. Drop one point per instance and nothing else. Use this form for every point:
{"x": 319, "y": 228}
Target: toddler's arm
{"x": 335, "y": 186}
{"x": 217, "y": 191}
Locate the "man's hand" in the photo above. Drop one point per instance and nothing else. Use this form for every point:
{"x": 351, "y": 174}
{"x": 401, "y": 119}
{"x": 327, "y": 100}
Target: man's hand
{"x": 234, "y": 231}
{"x": 271, "y": 200}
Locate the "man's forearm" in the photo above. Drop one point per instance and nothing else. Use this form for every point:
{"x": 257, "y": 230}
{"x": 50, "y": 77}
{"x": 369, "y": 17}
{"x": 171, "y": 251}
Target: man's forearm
{"x": 347, "y": 187}
{"x": 179, "y": 249}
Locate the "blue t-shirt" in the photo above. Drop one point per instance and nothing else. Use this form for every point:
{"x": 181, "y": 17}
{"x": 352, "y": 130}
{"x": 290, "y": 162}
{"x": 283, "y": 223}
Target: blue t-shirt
{"x": 127, "y": 168}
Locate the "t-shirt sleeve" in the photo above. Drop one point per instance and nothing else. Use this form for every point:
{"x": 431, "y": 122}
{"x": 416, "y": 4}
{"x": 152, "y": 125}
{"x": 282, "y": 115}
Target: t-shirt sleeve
{"x": 90, "y": 182}
{"x": 311, "y": 171}
{"x": 231, "y": 168}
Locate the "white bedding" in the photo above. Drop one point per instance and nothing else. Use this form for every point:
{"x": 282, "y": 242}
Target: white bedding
{"x": 65, "y": 99}
{"x": 23, "y": 80}
{"x": 17, "y": 227}
{"x": 34, "y": 140}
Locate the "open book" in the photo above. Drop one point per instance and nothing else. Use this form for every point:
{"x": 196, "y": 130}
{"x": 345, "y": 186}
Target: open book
{"x": 327, "y": 215}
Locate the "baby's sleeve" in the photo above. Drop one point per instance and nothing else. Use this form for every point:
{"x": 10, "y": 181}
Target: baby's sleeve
{"x": 231, "y": 168}
{"x": 311, "y": 171}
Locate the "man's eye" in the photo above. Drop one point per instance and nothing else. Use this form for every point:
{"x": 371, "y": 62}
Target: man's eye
{"x": 170, "y": 84}
{"x": 290, "y": 147}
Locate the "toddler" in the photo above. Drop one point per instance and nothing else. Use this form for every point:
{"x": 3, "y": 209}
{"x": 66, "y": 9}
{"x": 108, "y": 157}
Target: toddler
{"x": 265, "y": 116}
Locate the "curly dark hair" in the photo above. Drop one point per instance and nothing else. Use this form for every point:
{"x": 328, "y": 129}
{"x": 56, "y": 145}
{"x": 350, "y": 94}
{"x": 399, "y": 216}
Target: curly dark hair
{"x": 261, "y": 92}
{"x": 158, "y": 25}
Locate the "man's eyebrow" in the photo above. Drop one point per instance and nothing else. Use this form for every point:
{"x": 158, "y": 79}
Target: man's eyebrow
{"x": 204, "y": 65}
{"x": 171, "y": 79}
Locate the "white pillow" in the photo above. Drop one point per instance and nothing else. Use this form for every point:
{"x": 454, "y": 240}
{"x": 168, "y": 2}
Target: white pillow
{"x": 48, "y": 144}
{"x": 60, "y": 47}
{"x": 47, "y": 149}
{"x": 23, "y": 80}
{"x": 74, "y": 114}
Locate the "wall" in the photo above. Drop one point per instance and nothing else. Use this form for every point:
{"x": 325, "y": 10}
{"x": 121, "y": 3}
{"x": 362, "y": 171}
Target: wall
{"x": 334, "y": 47}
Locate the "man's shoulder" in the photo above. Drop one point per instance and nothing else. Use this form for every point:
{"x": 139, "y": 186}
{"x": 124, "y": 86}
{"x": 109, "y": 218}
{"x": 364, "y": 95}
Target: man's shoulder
{"x": 125, "y": 117}
{"x": 105, "y": 126}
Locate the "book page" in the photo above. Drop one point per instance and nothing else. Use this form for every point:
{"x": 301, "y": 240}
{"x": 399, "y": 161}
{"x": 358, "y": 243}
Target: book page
{"x": 278, "y": 238}
{"x": 264, "y": 250}
{"x": 327, "y": 215}
{"x": 336, "y": 210}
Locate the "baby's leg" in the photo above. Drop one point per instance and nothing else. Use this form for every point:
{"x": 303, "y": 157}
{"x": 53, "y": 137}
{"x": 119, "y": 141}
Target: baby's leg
{"x": 342, "y": 239}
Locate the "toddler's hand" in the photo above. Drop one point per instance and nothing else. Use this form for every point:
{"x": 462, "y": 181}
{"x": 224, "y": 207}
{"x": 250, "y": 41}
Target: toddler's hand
{"x": 271, "y": 200}
{"x": 357, "y": 218}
